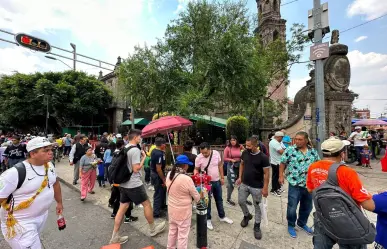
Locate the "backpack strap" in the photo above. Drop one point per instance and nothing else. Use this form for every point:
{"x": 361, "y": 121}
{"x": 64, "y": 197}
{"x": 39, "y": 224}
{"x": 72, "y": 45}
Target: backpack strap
{"x": 22, "y": 172}
{"x": 332, "y": 173}
{"x": 209, "y": 162}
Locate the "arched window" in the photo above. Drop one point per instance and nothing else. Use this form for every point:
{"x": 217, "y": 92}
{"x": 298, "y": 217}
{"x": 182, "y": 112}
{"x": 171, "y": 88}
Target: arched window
{"x": 275, "y": 35}
{"x": 275, "y": 5}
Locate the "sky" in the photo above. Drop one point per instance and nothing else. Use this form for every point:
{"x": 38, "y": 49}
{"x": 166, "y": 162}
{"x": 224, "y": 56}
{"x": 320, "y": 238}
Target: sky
{"x": 105, "y": 29}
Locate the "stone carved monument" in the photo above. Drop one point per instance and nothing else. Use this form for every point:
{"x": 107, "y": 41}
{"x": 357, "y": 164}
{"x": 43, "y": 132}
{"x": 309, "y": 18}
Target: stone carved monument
{"x": 338, "y": 98}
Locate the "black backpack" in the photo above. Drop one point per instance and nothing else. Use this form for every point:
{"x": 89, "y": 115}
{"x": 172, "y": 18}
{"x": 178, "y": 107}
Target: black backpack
{"x": 338, "y": 214}
{"x": 118, "y": 171}
{"x": 22, "y": 172}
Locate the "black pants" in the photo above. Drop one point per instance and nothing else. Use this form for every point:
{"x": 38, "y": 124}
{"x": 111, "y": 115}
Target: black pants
{"x": 147, "y": 174}
{"x": 159, "y": 196}
{"x": 115, "y": 202}
{"x": 275, "y": 177}
{"x": 100, "y": 180}
{"x": 67, "y": 150}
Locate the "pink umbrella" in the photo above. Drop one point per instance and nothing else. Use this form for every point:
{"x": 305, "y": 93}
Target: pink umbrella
{"x": 165, "y": 125}
{"x": 369, "y": 122}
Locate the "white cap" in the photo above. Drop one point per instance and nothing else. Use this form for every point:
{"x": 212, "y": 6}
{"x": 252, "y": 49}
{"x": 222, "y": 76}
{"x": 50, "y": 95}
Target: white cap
{"x": 118, "y": 136}
{"x": 38, "y": 142}
{"x": 333, "y": 145}
{"x": 279, "y": 134}
{"x": 357, "y": 128}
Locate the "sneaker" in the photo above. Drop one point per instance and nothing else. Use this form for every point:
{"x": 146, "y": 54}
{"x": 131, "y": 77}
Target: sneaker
{"x": 112, "y": 216}
{"x": 103, "y": 185}
{"x": 140, "y": 206}
{"x": 74, "y": 182}
{"x": 110, "y": 205}
{"x": 158, "y": 229}
{"x": 130, "y": 219}
{"x": 92, "y": 192}
{"x": 276, "y": 193}
{"x": 246, "y": 220}
{"x": 227, "y": 220}
{"x": 281, "y": 190}
{"x": 209, "y": 225}
{"x": 82, "y": 199}
{"x": 363, "y": 166}
{"x": 230, "y": 202}
{"x": 292, "y": 232}
{"x": 249, "y": 202}
{"x": 151, "y": 188}
{"x": 116, "y": 239}
{"x": 306, "y": 229}
{"x": 257, "y": 231}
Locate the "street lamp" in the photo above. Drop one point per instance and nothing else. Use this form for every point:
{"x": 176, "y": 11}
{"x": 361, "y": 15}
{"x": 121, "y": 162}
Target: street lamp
{"x": 47, "y": 114}
{"x": 56, "y": 59}
{"x": 74, "y": 53}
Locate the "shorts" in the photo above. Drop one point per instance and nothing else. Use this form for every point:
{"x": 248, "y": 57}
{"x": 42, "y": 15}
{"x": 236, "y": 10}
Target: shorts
{"x": 137, "y": 195}
{"x": 29, "y": 238}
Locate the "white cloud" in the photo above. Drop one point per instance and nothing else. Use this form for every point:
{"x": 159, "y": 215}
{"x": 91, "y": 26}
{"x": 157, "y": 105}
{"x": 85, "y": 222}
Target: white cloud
{"x": 361, "y": 38}
{"x": 117, "y": 26}
{"x": 368, "y": 8}
{"x": 295, "y": 85}
{"x": 181, "y": 5}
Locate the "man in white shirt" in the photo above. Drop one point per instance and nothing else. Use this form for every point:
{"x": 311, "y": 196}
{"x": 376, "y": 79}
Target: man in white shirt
{"x": 276, "y": 151}
{"x": 35, "y": 172}
{"x": 359, "y": 139}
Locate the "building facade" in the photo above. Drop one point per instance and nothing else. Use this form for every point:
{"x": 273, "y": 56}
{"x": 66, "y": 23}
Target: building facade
{"x": 271, "y": 27}
{"x": 362, "y": 113}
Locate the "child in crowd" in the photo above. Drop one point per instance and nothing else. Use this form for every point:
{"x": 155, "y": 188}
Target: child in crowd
{"x": 101, "y": 174}
{"x": 365, "y": 157}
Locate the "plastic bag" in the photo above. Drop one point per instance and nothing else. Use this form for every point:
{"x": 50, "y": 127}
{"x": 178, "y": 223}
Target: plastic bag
{"x": 263, "y": 207}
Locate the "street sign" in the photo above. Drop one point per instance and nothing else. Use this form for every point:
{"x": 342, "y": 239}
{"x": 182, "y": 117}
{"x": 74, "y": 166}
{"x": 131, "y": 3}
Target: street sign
{"x": 308, "y": 117}
{"x": 319, "y": 51}
{"x": 31, "y": 42}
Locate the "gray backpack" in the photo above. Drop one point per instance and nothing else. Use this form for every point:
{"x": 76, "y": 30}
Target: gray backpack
{"x": 341, "y": 218}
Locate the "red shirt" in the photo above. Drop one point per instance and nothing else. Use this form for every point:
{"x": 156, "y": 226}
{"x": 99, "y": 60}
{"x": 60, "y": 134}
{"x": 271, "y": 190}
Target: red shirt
{"x": 347, "y": 178}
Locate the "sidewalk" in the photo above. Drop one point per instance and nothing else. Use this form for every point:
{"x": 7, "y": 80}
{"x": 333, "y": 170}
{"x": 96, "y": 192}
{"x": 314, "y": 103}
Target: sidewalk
{"x": 234, "y": 236}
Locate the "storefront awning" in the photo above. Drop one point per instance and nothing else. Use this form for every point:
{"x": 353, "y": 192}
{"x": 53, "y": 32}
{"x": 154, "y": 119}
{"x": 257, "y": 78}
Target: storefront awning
{"x": 137, "y": 121}
{"x": 219, "y": 122}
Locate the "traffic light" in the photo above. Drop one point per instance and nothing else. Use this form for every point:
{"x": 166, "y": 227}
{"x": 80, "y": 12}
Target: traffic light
{"x": 32, "y": 43}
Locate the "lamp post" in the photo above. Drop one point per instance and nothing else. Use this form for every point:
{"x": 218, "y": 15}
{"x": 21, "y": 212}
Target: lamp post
{"x": 74, "y": 54}
{"x": 47, "y": 114}
{"x": 56, "y": 59}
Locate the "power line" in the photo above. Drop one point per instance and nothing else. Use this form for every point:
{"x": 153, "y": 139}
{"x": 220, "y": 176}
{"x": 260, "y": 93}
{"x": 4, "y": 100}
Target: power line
{"x": 289, "y": 2}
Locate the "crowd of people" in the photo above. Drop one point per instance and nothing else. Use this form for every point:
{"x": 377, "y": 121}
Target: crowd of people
{"x": 248, "y": 171}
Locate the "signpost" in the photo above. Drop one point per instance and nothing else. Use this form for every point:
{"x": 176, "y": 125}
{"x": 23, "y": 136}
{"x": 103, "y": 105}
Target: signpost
{"x": 319, "y": 51}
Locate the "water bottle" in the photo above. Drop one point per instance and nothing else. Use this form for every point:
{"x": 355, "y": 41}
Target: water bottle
{"x": 61, "y": 222}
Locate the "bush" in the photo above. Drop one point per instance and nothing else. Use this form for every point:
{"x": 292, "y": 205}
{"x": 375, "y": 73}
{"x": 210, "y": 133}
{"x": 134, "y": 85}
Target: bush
{"x": 238, "y": 126}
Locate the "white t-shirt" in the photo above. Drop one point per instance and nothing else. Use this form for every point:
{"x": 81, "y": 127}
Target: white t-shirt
{"x": 356, "y": 136}
{"x": 32, "y": 182}
{"x": 274, "y": 147}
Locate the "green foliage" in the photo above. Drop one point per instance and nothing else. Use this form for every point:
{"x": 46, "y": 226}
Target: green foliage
{"x": 238, "y": 126}
{"x": 202, "y": 127}
{"x": 74, "y": 98}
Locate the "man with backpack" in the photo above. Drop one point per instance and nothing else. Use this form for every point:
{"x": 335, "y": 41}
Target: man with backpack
{"x": 128, "y": 175}
{"x": 338, "y": 195}
{"x": 26, "y": 193}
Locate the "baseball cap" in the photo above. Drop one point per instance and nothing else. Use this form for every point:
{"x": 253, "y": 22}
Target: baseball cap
{"x": 183, "y": 159}
{"x": 279, "y": 134}
{"x": 38, "y": 142}
{"x": 333, "y": 145}
{"x": 287, "y": 139}
{"x": 357, "y": 128}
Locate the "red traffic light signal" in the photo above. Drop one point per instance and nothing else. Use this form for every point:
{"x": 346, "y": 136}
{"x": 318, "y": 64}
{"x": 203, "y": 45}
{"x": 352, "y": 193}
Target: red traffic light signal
{"x": 32, "y": 43}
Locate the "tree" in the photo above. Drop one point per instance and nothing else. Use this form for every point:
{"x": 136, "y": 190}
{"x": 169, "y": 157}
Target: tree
{"x": 209, "y": 58}
{"x": 75, "y": 98}
{"x": 238, "y": 126}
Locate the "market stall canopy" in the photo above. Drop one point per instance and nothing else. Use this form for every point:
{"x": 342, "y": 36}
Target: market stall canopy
{"x": 219, "y": 122}
{"x": 137, "y": 121}
{"x": 369, "y": 122}
{"x": 164, "y": 125}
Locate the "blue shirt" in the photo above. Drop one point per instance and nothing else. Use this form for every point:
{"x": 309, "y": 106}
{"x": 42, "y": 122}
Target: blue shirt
{"x": 107, "y": 156}
{"x": 157, "y": 157}
{"x": 298, "y": 164}
{"x": 381, "y": 224}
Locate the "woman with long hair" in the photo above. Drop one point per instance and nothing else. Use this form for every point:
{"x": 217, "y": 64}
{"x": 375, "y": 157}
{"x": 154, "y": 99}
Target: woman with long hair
{"x": 181, "y": 190}
{"x": 232, "y": 155}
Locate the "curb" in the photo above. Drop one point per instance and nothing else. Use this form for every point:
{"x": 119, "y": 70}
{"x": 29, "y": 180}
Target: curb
{"x": 69, "y": 185}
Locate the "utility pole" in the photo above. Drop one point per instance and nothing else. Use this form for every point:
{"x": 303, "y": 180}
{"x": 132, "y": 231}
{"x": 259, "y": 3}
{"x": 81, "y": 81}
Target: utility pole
{"x": 74, "y": 55}
{"x": 318, "y": 26}
{"x": 47, "y": 115}
{"x": 132, "y": 112}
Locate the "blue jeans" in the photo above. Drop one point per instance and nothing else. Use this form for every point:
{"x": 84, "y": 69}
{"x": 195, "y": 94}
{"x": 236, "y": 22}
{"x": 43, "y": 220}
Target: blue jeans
{"x": 358, "y": 150}
{"x": 298, "y": 195}
{"x": 216, "y": 191}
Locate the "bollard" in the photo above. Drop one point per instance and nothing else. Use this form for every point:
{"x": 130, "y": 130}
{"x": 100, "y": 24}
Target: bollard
{"x": 201, "y": 226}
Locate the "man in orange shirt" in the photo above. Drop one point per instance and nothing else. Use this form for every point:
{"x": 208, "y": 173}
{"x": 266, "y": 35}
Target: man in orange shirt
{"x": 334, "y": 152}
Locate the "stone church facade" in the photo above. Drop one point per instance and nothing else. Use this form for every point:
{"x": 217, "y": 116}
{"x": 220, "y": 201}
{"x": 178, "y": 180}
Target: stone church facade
{"x": 271, "y": 27}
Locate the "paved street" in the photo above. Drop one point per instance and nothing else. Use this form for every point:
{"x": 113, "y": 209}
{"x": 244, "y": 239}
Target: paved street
{"x": 89, "y": 225}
